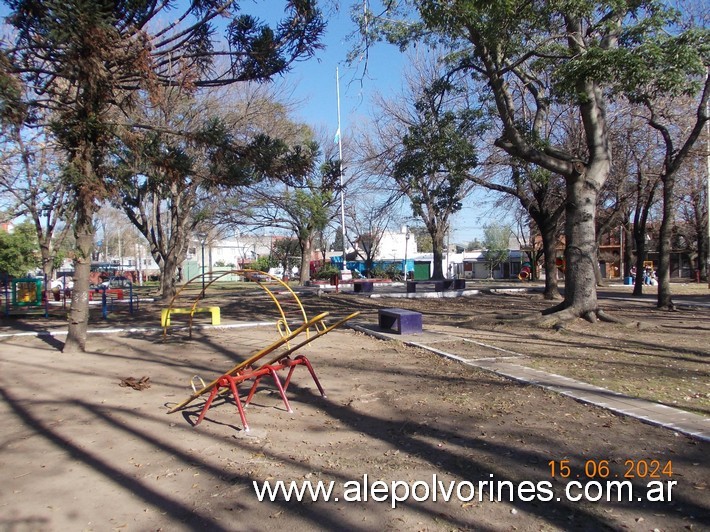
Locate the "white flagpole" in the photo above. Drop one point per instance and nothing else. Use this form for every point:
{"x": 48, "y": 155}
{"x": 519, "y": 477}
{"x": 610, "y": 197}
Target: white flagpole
{"x": 340, "y": 154}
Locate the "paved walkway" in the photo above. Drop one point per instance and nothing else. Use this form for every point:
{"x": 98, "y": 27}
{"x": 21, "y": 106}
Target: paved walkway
{"x": 647, "y": 411}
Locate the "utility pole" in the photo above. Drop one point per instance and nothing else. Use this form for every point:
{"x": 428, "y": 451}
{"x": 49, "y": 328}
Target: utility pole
{"x": 339, "y": 139}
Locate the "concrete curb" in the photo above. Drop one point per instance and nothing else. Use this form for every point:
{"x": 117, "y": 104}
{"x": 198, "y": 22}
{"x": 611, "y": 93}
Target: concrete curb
{"x": 656, "y": 414}
{"x": 133, "y": 330}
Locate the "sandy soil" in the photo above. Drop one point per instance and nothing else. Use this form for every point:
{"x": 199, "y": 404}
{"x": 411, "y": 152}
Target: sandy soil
{"x": 81, "y": 452}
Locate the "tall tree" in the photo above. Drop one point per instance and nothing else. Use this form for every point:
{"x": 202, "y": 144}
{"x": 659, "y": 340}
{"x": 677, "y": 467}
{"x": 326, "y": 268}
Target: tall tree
{"x": 29, "y": 180}
{"x": 496, "y": 242}
{"x": 541, "y": 195}
{"x": 678, "y": 146}
{"x": 88, "y": 61}
{"x": 438, "y": 156}
{"x": 369, "y": 220}
{"x": 299, "y": 197}
{"x": 285, "y": 251}
{"x": 692, "y": 192}
{"x": 424, "y": 148}
{"x": 563, "y": 50}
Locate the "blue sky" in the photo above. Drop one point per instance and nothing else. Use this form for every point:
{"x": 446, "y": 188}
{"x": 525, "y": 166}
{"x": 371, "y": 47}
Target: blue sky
{"x": 314, "y": 79}
{"x": 313, "y": 82}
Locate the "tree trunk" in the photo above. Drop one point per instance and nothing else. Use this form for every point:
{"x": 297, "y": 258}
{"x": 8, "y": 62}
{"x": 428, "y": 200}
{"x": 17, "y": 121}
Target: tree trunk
{"x": 437, "y": 239}
{"x": 548, "y": 233}
{"x": 703, "y": 256}
{"x": 640, "y": 240}
{"x": 645, "y": 193}
{"x": 580, "y": 253}
{"x": 46, "y": 258}
{"x": 703, "y": 243}
{"x": 664, "y": 245}
{"x": 167, "y": 277}
{"x": 597, "y": 271}
{"x": 306, "y": 251}
{"x": 79, "y": 310}
{"x": 628, "y": 249}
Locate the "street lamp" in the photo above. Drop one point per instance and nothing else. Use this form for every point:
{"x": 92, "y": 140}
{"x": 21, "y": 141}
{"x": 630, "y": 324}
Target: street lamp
{"x": 203, "y": 238}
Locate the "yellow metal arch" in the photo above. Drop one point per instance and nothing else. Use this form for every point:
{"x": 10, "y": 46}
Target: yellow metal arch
{"x": 282, "y": 324}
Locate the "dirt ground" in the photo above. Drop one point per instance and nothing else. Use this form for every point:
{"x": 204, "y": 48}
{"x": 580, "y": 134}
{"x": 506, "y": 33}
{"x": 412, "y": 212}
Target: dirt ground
{"x": 81, "y": 452}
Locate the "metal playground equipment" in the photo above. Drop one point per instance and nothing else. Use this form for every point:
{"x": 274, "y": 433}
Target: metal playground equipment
{"x": 289, "y": 307}
{"x": 249, "y": 371}
{"x": 25, "y": 296}
{"x": 284, "y": 353}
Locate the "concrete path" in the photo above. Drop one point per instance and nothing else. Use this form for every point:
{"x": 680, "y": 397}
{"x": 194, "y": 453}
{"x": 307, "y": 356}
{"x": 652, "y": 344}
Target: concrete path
{"x": 647, "y": 411}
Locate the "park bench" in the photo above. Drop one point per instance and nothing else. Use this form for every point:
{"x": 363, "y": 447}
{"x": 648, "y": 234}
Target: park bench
{"x": 363, "y": 285}
{"x": 167, "y": 312}
{"x": 367, "y": 285}
{"x": 439, "y": 284}
{"x": 401, "y": 320}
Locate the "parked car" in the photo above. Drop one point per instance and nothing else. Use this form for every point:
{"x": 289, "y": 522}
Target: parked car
{"x": 259, "y": 277}
{"x": 116, "y": 282}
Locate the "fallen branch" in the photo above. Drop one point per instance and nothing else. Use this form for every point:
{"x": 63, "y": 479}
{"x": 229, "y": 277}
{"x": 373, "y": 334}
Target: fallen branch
{"x": 136, "y": 384}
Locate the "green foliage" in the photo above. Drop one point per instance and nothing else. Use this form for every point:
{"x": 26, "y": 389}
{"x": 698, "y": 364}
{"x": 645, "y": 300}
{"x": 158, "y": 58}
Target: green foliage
{"x": 58, "y": 258}
{"x": 390, "y": 271}
{"x": 639, "y": 50}
{"x": 284, "y": 251}
{"x": 19, "y": 251}
{"x": 233, "y": 163}
{"x": 262, "y": 263}
{"x": 327, "y": 271}
{"x": 474, "y": 245}
{"x": 496, "y": 242}
{"x": 92, "y": 60}
{"x": 423, "y": 239}
{"x": 636, "y": 48}
{"x": 12, "y": 107}
{"x": 439, "y": 153}
{"x": 338, "y": 239}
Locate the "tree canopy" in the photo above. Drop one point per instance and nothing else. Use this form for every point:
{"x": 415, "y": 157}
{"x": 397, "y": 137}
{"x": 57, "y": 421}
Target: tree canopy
{"x": 19, "y": 251}
{"x": 579, "y": 53}
{"x": 89, "y": 62}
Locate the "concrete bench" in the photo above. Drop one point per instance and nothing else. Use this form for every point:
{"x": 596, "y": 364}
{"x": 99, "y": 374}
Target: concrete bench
{"x": 166, "y": 312}
{"x": 439, "y": 284}
{"x": 363, "y": 286}
{"x": 401, "y": 320}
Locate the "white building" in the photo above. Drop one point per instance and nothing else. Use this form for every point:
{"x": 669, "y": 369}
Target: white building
{"x": 394, "y": 245}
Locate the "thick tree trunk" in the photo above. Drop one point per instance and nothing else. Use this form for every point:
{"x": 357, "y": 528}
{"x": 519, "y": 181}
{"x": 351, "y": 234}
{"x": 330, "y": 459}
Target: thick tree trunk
{"x": 79, "y": 310}
{"x": 167, "y": 277}
{"x": 580, "y": 252}
{"x": 548, "y": 233}
{"x": 703, "y": 255}
{"x": 664, "y": 245}
{"x": 46, "y": 258}
{"x": 645, "y": 193}
{"x": 437, "y": 240}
